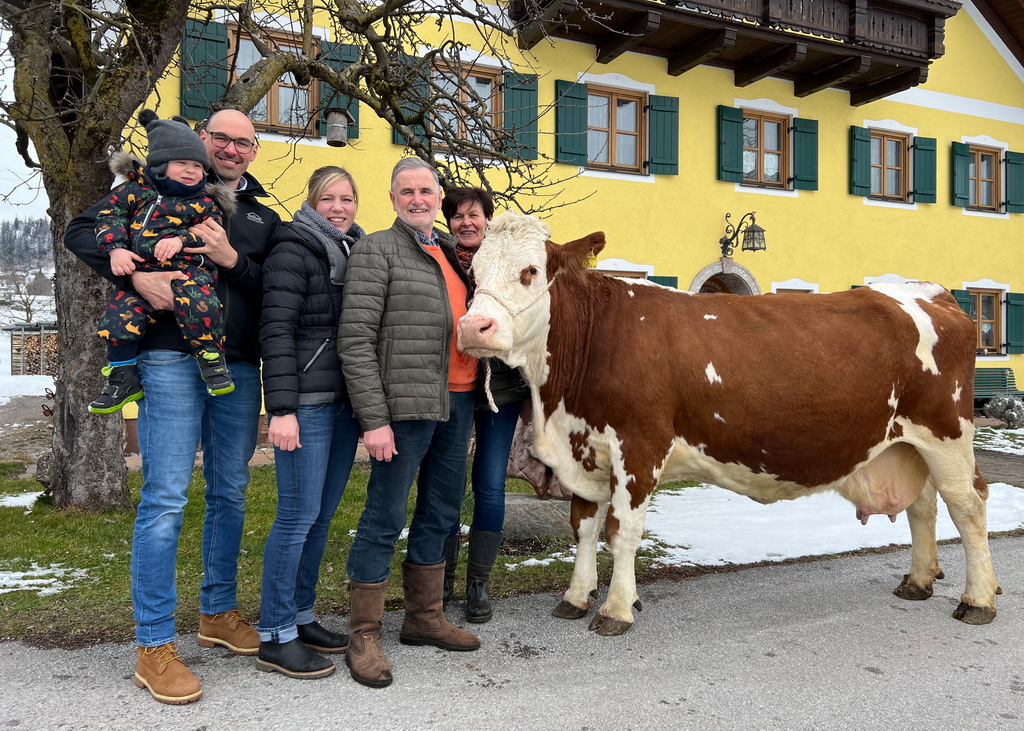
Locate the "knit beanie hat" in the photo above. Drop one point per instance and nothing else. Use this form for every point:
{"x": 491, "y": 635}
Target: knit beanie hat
{"x": 171, "y": 139}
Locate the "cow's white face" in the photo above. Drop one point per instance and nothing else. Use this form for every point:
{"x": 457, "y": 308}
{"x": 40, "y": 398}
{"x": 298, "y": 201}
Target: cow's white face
{"x": 511, "y": 307}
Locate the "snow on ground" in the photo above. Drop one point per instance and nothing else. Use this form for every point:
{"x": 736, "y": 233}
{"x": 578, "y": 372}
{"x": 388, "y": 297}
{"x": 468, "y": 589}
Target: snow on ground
{"x": 704, "y": 525}
{"x": 709, "y": 526}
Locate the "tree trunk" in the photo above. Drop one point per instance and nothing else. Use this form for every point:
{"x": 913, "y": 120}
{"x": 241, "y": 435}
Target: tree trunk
{"x": 87, "y": 469}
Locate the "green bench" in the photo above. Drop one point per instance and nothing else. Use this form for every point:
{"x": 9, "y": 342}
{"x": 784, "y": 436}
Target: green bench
{"x": 992, "y": 382}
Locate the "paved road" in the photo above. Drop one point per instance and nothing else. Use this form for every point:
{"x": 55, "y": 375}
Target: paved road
{"x": 821, "y": 645}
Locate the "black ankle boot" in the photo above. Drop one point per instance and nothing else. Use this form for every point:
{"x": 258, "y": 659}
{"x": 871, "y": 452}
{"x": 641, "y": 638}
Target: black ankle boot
{"x": 318, "y": 638}
{"x": 478, "y": 603}
{"x": 292, "y": 659}
{"x": 214, "y": 370}
{"x": 123, "y": 386}
{"x": 451, "y": 563}
{"x": 483, "y": 551}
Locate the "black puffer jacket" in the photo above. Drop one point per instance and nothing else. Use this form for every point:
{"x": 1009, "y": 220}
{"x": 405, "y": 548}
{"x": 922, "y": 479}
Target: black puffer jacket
{"x": 301, "y": 308}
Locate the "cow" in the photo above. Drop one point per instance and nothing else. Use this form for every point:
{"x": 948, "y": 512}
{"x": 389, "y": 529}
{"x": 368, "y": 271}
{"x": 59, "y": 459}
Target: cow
{"x": 867, "y": 392}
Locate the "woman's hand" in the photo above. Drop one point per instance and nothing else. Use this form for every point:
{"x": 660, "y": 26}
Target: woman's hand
{"x": 284, "y": 432}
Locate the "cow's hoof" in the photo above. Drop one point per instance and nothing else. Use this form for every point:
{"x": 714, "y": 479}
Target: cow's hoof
{"x": 941, "y": 574}
{"x": 565, "y": 610}
{"x": 974, "y": 615}
{"x": 911, "y": 592}
{"x": 999, "y": 589}
{"x": 608, "y": 627}
{"x": 638, "y": 606}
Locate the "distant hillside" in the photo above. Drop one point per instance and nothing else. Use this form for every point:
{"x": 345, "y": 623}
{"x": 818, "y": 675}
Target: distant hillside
{"x": 26, "y": 244}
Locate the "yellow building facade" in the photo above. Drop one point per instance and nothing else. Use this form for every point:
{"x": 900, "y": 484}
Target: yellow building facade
{"x": 924, "y": 183}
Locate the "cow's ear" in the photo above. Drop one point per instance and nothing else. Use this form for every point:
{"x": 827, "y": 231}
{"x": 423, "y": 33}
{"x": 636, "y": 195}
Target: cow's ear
{"x": 574, "y": 255}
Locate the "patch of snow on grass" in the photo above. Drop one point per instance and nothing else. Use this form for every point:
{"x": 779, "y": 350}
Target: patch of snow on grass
{"x": 19, "y": 500}
{"x": 44, "y": 580}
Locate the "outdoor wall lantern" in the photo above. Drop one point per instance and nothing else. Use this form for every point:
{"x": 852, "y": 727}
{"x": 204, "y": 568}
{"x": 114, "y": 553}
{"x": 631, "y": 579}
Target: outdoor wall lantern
{"x": 753, "y": 235}
{"x": 338, "y": 121}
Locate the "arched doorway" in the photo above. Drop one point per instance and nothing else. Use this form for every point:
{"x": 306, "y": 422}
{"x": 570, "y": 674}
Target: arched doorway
{"x": 725, "y": 277}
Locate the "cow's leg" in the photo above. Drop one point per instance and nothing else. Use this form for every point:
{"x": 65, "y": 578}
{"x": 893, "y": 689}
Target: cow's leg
{"x": 924, "y": 557}
{"x": 623, "y": 530}
{"x": 966, "y": 503}
{"x": 585, "y": 517}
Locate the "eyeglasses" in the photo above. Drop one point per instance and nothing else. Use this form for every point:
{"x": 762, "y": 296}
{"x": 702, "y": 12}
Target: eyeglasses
{"x": 221, "y": 141}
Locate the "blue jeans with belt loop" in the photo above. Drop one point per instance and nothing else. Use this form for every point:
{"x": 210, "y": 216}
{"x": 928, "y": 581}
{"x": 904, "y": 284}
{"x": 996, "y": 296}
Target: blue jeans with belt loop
{"x": 310, "y": 483}
{"x": 438, "y": 449}
{"x": 177, "y": 414}
{"x": 494, "y": 434}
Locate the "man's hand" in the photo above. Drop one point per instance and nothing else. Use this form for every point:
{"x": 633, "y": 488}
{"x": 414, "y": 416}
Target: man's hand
{"x": 155, "y": 288}
{"x": 122, "y": 261}
{"x": 284, "y": 432}
{"x": 167, "y": 247}
{"x": 217, "y": 248}
{"x": 380, "y": 443}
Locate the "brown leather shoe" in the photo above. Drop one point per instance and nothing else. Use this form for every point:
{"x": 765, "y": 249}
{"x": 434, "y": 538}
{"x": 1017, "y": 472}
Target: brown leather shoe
{"x": 425, "y": 623}
{"x": 161, "y": 671}
{"x": 230, "y": 630}
{"x": 365, "y": 660}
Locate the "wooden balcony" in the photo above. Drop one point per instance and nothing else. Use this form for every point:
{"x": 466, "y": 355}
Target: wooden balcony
{"x": 871, "y": 48}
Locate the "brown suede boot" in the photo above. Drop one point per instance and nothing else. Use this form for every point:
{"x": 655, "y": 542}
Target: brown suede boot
{"x": 425, "y": 623}
{"x": 161, "y": 671}
{"x": 364, "y": 658}
{"x": 230, "y": 630}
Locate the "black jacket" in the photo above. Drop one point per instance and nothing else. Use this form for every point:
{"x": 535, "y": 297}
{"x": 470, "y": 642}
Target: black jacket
{"x": 240, "y": 288}
{"x": 299, "y": 327}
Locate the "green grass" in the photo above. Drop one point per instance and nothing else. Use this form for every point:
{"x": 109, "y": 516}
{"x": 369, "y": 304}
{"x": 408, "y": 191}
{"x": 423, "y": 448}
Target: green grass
{"x": 97, "y": 607}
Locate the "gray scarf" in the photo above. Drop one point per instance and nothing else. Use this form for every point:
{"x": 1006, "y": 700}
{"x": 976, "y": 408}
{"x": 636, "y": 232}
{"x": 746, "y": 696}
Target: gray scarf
{"x": 338, "y": 245}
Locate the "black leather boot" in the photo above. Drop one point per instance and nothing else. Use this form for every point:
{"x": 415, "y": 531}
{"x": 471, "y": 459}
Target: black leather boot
{"x": 318, "y": 638}
{"x": 292, "y": 659}
{"x": 451, "y": 558}
{"x": 483, "y": 550}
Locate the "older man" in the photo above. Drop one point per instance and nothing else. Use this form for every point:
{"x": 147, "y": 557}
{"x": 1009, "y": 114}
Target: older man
{"x": 412, "y": 392}
{"x": 177, "y": 413}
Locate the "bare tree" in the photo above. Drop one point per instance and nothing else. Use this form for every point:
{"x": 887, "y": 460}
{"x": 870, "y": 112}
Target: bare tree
{"x": 82, "y": 68}
{"x": 22, "y": 291}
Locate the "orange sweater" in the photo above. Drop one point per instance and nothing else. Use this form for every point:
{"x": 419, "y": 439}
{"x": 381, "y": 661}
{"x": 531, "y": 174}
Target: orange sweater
{"x": 461, "y": 368}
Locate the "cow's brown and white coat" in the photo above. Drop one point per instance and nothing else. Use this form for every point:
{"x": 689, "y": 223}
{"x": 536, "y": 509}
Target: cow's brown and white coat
{"x": 866, "y": 392}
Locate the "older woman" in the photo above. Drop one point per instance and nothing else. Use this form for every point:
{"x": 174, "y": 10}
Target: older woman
{"x": 311, "y": 424}
{"x": 468, "y": 211}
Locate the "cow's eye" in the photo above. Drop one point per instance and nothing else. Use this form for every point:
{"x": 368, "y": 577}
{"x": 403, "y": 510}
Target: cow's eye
{"x": 534, "y": 271}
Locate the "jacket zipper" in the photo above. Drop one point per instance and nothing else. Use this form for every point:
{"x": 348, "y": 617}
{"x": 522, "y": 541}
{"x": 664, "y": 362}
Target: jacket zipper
{"x": 149, "y": 214}
{"x": 316, "y": 355}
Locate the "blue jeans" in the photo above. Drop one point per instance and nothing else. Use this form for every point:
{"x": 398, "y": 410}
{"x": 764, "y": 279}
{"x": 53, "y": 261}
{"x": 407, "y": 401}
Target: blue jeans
{"x": 310, "y": 483}
{"x": 175, "y": 415}
{"x": 438, "y": 449}
{"x": 494, "y": 433}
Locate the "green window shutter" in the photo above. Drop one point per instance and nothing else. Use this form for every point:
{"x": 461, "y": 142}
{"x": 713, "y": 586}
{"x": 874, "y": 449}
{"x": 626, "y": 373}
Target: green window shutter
{"x": 961, "y": 171}
{"x": 570, "y": 123}
{"x": 204, "y": 67}
{"x": 519, "y": 114}
{"x": 730, "y": 144}
{"x": 419, "y": 93}
{"x": 1014, "y": 323}
{"x": 924, "y": 169}
{"x": 1014, "y": 182}
{"x": 338, "y": 56}
{"x": 805, "y": 154}
{"x": 665, "y": 281}
{"x": 963, "y": 298}
{"x": 860, "y": 161}
{"x": 663, "y": 135}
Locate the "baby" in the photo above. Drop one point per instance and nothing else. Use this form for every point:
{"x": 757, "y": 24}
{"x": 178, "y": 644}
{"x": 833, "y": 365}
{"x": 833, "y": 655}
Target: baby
{"x": 143, "y": 225}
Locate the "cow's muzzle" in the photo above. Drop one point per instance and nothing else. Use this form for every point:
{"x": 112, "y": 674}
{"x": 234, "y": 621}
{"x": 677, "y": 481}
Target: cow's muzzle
{"x": 476, "y": 335}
